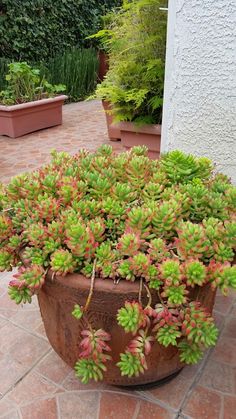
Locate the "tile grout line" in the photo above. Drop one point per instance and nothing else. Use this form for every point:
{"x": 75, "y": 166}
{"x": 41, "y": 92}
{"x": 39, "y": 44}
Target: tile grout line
{"x": 30, "y": 332}
{"x": 137, "y": 410}
{"x": 59, "y": 386}
{"x": 99, "y": 405}
{"x": 154, "y": 400}
{"x": 58, "y": 407}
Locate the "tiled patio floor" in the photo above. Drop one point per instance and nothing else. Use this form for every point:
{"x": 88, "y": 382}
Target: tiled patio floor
{"x": 36, "y": 384}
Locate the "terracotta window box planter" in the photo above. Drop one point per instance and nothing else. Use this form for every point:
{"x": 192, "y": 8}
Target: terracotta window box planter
{"x": 57, "y": 299}
{"x": 113, "y": 128}
{"x": 21, "y": 119}
{"x": 149, "y": 135}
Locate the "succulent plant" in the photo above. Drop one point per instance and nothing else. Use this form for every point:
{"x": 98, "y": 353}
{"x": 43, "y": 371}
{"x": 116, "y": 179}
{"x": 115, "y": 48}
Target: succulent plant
{"x": 168, "y": 225}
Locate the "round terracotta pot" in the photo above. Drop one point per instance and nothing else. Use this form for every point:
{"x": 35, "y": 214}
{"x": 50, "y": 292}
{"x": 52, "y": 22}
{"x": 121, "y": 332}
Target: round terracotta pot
{"x": 57, "y": 300}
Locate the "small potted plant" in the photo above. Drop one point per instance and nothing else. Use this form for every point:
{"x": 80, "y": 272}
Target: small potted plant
{"x": 29, "y": 103}
{"x": 125, "y": 255}
{"x": 133, "y": 86}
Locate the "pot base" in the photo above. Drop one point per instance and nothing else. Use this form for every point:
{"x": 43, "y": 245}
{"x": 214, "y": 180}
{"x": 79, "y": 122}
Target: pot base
{"x": 154, "y": 384}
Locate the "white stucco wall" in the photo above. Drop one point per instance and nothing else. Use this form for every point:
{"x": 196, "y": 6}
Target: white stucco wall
{"x": 200, "y": 88}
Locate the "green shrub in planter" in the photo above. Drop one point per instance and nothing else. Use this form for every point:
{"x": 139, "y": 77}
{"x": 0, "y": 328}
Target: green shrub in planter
{"x": 24, "y": 84}
{"x": 168, "y": 224}
{"x": 135, "y": 38}
{"x": 76, "y": 68}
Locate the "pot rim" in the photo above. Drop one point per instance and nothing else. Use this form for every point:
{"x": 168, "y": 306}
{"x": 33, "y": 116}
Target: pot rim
{"x": 34, "y": 103}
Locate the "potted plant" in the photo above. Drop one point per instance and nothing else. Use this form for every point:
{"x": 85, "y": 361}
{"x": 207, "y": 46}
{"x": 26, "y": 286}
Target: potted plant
{"x": 103, "y": 37}
{"x": 134, "y": 84}
{"x": 125, "y": 254}
{"x": 29, "y": 102}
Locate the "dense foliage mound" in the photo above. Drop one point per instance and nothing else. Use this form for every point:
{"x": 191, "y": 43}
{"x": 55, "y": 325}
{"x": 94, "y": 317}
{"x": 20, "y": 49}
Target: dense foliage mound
{"x": 135, "y": 39}
{"x": 35, "y": 30}
{"x": 169, "y": 224}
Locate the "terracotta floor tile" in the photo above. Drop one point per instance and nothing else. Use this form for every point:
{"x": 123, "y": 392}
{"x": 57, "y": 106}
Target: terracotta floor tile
{"x": 78, "y": 405}
{"x": 172, "y": 393}
{"x": 203, "y": 404}
{"x": 3, "y": 322}
{"x": 12, "y": 415}
{"x": 218, "y": 376}
{"x": 233, "y": 313}
{"x": 54, "y": 368}
{"x": 8, "y": 308}
{"x": 189, "y": 371}
{"x": 229, "y": 407}
{"x": 219, "y": 319}
{"x": 115, "y": 406}
{"x": 41, "y": 409}
{"x": 10, "y": 336}
{"x": 29, "y": 349}
{"x": 72, "y": 383}
{"x": 225, "y": 351}
{"x": 223, "y": 304}
{"x": 40, "y": 330}
{"x": 28, "y": 319}
{"x": 6, "y": 406}
{"x": 153, "y": 411}
{"x": 32, "y": 387}
{"x": 70, "y": 137}
{"x": 230, "y": 327}
{"x": 10, "y": 372}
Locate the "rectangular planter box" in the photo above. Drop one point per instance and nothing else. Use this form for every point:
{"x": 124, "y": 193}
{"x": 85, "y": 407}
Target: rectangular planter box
{"x": 113, "y": 128}
{"x": 148, "y": 135}
{"x": 18, "y": 120}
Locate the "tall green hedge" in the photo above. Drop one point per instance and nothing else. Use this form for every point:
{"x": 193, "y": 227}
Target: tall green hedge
{"x": 37, "y": 29}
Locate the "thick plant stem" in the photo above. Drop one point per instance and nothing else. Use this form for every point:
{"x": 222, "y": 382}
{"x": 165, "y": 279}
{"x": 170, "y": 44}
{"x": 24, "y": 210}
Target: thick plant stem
{"x": 149, "y": 296}
{"x": 140, "y": 291}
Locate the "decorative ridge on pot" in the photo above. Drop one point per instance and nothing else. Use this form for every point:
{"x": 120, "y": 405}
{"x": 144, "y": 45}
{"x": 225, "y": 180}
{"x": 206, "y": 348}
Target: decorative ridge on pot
{"x": 125, "y": 254}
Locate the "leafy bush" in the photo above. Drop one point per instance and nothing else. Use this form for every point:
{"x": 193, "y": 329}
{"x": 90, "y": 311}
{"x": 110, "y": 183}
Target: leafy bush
{"x": 76, "y": 68}
{"x": 35, "y": 30}
{"x": 131, "y": 218}
{"x": 135, "y": 38}
{"x": 24, "y": 84}
{"x": 3, "y": 72}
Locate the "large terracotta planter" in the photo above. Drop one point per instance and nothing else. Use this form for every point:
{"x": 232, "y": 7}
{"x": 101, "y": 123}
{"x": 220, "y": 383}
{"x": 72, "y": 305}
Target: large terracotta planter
{"x": 18, "y": 120}
{"x": 113, "y": 128}
{"x": 103, "y": 65}
{"x": 57, "y": 299}
{"x": 149, "y": 135}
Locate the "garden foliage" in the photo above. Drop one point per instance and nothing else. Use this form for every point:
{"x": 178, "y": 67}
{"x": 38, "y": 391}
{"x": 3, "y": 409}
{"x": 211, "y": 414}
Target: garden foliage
{"x": 24, "y": 84}
{"x": 35, "y": 30}
{"x": 135, "y": 39}
{"x": 168, "y": 224}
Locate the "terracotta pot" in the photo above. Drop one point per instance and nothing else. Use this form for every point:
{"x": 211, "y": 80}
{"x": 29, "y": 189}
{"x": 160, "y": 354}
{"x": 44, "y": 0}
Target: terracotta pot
{"x": 149, "y": 135}
{"x": 57, "y": 300}
{"x": 112, "y": 127}
{"x": 18, "y": 120}
{"x": 103, "y": 65}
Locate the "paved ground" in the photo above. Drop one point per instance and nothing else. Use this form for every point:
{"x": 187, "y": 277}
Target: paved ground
{"x": 83, "y": 126}
{"x": 36, "y": 384}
